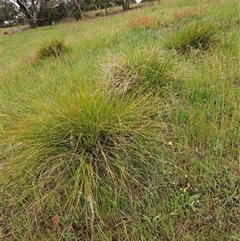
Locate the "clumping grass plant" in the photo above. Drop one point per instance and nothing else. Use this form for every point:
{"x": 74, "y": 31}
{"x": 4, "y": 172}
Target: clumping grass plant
{"x": 148, "y": 68}
{"x": 74, "y": 157}
{"x": 196, "y": 35}
{"x": 53, "y": 48}
{"x": 80, "y": 163}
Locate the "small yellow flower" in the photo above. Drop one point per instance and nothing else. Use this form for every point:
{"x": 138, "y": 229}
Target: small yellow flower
{"x": 170, "y": 143}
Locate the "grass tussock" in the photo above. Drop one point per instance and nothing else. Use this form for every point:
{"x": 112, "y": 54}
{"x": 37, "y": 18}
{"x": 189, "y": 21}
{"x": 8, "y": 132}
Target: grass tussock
{"x": 149, "y": 69}
{"x": 83, "y": 162}
{"x": 53, "y": 48}
{"x": 198, "y": 35}
{"x": 75, "y": 156}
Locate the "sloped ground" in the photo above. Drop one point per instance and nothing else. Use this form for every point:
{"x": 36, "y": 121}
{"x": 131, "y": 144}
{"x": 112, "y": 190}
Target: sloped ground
{"x": 131, "y": 135}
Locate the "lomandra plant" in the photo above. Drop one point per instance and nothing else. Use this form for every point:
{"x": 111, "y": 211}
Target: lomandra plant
{"x": 74, "y": 160}
{"x": 147, "y": 68}
{"x": 53, "y": 48}
{"x": 196, "y": 35}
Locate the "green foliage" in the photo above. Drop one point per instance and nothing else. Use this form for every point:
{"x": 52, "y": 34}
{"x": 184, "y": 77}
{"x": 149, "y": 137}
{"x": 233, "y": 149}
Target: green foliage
{"x": 148, "y": 68}
{"x": 54, "y": 48}
{"x": 78, "y": 163}
{"x": 196, "y": 35}
{"x": 8, "y": 12}
{"x": 77, "y": 13}
{"x": 50, "y": 14}
{"x": 81, "y": 152}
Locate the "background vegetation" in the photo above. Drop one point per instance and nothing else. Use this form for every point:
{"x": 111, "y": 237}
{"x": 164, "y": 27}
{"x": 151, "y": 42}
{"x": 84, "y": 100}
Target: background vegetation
{"x": 37, "y": 13}
{"x": 127, "y": 131}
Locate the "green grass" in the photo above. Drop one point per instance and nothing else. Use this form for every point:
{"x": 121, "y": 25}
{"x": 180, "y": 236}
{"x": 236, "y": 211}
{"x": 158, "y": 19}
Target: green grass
{"x": 195, "y": 36}
{"x": 81, "y": 152}
{"x": 83, "y": 160}
{"x": 149, "y": 68}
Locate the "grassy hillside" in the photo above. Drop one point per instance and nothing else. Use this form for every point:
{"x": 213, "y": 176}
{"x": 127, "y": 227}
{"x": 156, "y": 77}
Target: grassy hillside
{"x": 123, "y": 127}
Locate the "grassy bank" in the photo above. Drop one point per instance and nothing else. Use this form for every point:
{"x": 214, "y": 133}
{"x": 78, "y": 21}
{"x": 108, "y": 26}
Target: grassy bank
{"x": 129, "y": 130}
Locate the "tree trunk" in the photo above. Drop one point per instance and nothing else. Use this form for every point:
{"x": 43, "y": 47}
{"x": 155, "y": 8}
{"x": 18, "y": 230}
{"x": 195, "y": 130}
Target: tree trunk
{"x": 125, "y": 5}
{"x": 32, "y": 12}
{"x": 78, "y": 11}
{"x": 105, "y": 7}
{"x": 24, "y": 8}
{"x": 34, "y": 21}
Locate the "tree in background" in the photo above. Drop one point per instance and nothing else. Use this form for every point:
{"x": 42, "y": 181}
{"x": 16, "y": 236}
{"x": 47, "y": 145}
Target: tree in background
{"x": 125, "y": 5}
{"x": 76, "y": 6}
{"x": 8, "y": 13}
{"x": 103, "y": 4}
{"x": 31, "y": 10}
{"x": 42, "y": 12}
{"x": 52, "y": 11}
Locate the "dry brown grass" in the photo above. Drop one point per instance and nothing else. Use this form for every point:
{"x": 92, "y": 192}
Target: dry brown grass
{"x": 143, "y": 22}
{"x": 186, "y": 13}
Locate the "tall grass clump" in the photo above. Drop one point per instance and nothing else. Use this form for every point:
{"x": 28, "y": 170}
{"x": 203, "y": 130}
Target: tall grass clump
{"x": 73, "y": 161}
{"x": 196, "y": 35}
{"x": 148, "y": 68}
{"x": 53, "y": 48}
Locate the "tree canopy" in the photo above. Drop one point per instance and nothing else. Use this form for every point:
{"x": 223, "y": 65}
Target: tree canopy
{"x": 44, "y": 12}
{"x": 8, "y": 13}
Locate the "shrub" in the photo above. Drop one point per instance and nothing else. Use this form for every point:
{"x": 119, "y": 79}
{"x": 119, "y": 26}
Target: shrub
{"x": 53, "y": 48}
{"x": 196, "y": 35}
{"x": 76, "y": 159}
{"x": 149, "y": 69}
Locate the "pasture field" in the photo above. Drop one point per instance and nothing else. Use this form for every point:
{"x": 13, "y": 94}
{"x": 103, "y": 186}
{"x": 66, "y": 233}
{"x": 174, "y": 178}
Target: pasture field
{"x": 123, "y": 127}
